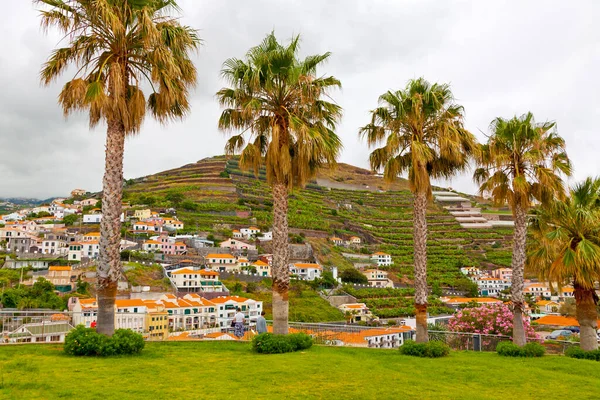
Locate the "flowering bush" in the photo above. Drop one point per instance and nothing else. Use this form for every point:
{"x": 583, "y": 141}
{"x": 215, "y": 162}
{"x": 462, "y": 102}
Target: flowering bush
{"x": 487, "y": 319}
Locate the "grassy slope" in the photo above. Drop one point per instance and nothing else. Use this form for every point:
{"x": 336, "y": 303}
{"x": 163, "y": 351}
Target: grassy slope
{"x": 220, "y": 370}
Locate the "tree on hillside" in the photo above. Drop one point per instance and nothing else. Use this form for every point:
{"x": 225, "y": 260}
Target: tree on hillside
{"x": 117, "y": 46}
{"x": 521, "y": 162}
{"x": 279, "y": 101}
{"x": 421, "y": 132}
{"x": 352, "y": 275}
{"x": 565, "y": 248}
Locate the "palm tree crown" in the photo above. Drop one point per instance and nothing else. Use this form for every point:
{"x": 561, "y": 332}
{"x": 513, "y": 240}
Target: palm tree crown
{"x": 280, "y": 102}
{"x": 421, "y": 129}
{"x": 522, "y": 161}
{"x": 565, "y": 248}
{"x": 116, "y": 45}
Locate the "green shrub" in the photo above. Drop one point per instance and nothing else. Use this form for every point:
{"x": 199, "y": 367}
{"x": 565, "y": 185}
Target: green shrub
{"x": 509, "y": 349}
{"x": 432, "y": 349}
{"x": 534, "y": 349}
{"x": 268, "y": 343}
{"x": 577, "y": 352}
{"x": 84, "y": 341}
{"x": 300, "y": 341}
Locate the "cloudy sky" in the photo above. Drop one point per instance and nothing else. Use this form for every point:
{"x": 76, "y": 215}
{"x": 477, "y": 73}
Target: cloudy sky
{"x": 501, "y": 58}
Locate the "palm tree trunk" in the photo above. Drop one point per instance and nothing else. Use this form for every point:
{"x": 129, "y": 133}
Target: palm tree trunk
{"x": 518, "y": 282}
{"x": 420, "y": 245}
{"x": 281, "y": 255}
{"x": 587, "y": 316}
{"x": 109, "y": 263}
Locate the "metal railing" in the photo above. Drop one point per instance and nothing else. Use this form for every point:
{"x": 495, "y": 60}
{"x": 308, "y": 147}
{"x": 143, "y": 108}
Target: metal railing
{"x": 35, "y": 326}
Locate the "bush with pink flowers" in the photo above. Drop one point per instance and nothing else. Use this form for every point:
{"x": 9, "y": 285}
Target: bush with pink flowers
{"x": 487, "y": 319}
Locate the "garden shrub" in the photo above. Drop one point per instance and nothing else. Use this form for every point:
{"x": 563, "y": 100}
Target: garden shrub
{"x": 84, "y": 341}
{"x": 509, "y": 349}
{"x": 300, "y": 341}
{"x": 268, "y": 343}
{"x": 577, "y": 352}
{"x": 431, "y": 349}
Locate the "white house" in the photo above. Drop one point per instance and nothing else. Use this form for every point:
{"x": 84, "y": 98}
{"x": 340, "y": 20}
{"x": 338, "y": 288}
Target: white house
{"x": 200, "y": 280}
{"x": 90, "y": 249}
{"x": 489, "y": 286}
{"x": 382, "y": 259}
{"x": 89, "y": 202}
{"x": 306, "y": 271}
{"x": 355, "y": 240}
{"x": 266, "y": 236}
{"x": 356, "y": 311}
{"x": 237, "y": 234}
{"x": 151, "y": 245}
{"x": 249, "y": 232}
{"x": 226, "y": 306}
{"x": 537, "y": 290}
{"x": 41, "y": 332}
{"x": 147, "y": 227}
{"x": 97, "y": 217}
{"x": 172, "y": 224}
{"x": 337, "y": 241}
{"x": 471, "y": 271}
{"x": 235, "y": 244}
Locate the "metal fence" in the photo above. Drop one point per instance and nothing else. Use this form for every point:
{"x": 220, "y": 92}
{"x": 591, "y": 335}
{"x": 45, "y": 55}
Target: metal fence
{"x": 45, "y": 326}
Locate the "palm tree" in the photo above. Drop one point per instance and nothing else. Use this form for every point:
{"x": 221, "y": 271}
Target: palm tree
{"x": 280, "y": 103}
{"x": 116, "y": 46}
{"x": 565, "y": 248}
{"x": 521, "y": 162}
{"x": 421, "y": 132}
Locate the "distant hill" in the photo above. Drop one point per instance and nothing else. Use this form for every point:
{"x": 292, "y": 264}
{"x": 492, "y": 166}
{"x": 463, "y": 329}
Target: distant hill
{"x": 214, "y": 195}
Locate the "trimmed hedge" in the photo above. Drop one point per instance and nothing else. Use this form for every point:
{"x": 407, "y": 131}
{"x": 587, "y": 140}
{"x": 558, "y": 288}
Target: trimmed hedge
{"x": 268, "y": 343}
{"x": 431, "y": 349}
{"x": 509, "y": 349}
{"x": 83, "y": 341}
{"x": 577, "y": 352}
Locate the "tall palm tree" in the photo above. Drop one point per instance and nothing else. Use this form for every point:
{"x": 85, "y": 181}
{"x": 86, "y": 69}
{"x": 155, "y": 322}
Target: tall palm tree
{"x": 280, "y": 103}
{"x": 421, "y": 132}
{"x": 565, "y": 248}
{"x": 522, "y": 161}
{"x": 116, "y": 47}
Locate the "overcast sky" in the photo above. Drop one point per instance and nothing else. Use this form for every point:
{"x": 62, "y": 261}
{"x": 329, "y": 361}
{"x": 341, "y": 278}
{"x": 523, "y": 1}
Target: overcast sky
{"x": 501, "y": 58}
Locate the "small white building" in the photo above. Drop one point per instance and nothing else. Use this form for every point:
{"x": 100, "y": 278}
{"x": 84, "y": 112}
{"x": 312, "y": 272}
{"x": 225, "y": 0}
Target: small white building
{"x": 41, "y": 332}
{"x": 382, "y": 259}
{"x": 226, "y": 306}
{"x": 198, "y": 280}
{"x": 356, "y": 311}
{"x": 378, "y": 278}
{"x": 249, "y": 232}
{"x": 306, "y": 271}
{"x": 355, "y": 240}
{"x": 489, "y": 286}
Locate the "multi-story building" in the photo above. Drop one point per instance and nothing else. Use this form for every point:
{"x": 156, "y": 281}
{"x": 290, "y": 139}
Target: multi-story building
{"x": 222, "y": 262}
{"x": 356, "y": 312}
{"x": 378, "y": 278}
{"x": 502, "y": 273}
{"x": 235, "y": 244}
{"x": 190, "y": 312}
{"x": 157, "y": 321}
{"x": 199, "y": 280}
{"x": 62, "y": 277}
{"x": 537, "y": 290}
{"x": 262, "y": 268}
{"x": 382, "y": 259}
{"x": 306, "y": 271}
{"x": 226, "y": 306}
{"x": 491, "y": 286}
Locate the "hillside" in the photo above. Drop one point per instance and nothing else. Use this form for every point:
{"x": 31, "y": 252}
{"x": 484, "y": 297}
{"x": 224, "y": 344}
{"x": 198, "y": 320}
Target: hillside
{"x": 215, "y": 196}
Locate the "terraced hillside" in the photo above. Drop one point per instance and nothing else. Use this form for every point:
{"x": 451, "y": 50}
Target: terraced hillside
{"x": 215, "y": 196}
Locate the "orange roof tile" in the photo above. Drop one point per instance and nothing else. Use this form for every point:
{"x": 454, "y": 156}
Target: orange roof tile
{"x": 261, "y": 263}
{"x": 558, "y": 321}
{"x": 129, "y": 303}
{"x": 212, "y": 255}
{"x": 461, "y": 300}
{"x": 216, "y": 335}
{"x": 224, "y": 299}
{"x": 380, "y": 253}
{"x": 184, "y": 271}
{"x": 60, "y": 268}
{"x": 307, "y": 265}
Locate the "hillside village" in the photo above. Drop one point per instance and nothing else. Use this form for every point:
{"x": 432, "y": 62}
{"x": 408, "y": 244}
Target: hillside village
{"x": 191, "y": 233}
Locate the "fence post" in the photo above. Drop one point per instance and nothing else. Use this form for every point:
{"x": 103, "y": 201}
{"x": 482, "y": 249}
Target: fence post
{"x": 477, "y": 342}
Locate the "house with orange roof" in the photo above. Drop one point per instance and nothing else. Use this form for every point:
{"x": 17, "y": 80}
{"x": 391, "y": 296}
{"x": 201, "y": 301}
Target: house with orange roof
{"x": 90, "y": 236}
{"x": 173, "y": 224}
{"x": 249, "y": 232}
{"x": 90, "y": 249}
{"x": 226, "y": 306}
{"x": 337, "y": 241}
{"x": 221, "y": 262}
{"x": 537, "y": 290}
{"x": 378, "y": 278}
{"x": 382, "y": 259}
{"x": 236, "y": 234}
{"x": 306, "y": 271}
{"x": 356, "y": 312}
{"x": 147, "y": 227}
{"x": 151, "y": 245}
{"x": 392, "y": 337}
{"x": 195, "y": 280}
{"x": 62, "y": 277}
{"x": 89, "y": 202}
{"x": 142, "y": 214}
{"x": 456, "y": 302}
{"x": 156, "y": 326}
{"x": 262, "y": 268}
{"x": 502, "y": 273}
{"x": 219, "y": 336}
{"x": 354, "y": 240}
{"x": 547, "y": 307}
{"x": 129, "y": 313}
{"x": 191, "y": 312}
{"x": 567, "y": 292}
{"x": 78, "y": 192}
{"x": 234, "y": 244}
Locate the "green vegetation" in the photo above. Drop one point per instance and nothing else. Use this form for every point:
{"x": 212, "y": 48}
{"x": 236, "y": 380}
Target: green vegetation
{"x": 305, "y": 304}
{"x": 268, "y": 343}
{"x": 84, "y": 341}
{"x": 40, "y": 295}
{"x": 146, "y": 275}
{"x": 509, "y": 349}
{"x": 578, "y": 352}
{"x": 432, "y": 349}
{"x": 36, "y": 371}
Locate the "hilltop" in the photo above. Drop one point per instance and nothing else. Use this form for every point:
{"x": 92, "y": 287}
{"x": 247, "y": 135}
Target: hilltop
{"x": 215, "y": 196}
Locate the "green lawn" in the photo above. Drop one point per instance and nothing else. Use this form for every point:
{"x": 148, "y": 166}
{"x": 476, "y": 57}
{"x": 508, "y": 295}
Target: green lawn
{"x": 224, "y": 370}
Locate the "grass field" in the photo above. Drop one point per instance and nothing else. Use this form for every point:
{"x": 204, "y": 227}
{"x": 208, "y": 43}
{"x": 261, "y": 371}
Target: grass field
{"x": 229, "y": 370}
